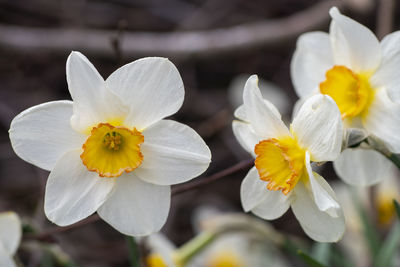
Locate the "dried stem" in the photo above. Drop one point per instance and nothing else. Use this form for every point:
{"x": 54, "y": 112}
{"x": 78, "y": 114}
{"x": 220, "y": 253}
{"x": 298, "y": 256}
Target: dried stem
{"x": 244, "y": 164}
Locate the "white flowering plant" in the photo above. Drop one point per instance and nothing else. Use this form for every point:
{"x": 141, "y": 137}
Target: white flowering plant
{"x": 114, "y": 153}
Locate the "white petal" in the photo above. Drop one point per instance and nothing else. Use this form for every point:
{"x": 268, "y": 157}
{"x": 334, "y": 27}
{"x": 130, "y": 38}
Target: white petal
{"x": 10, "y": 232}
{"x": 361, "y": 167}
{"x": 383, "y": 120}
{"x": 240, "y": 113}
{"x": 324, "y": 197}
{"x": 388, "y": 75}
{"x": 273, "y": 206}
{"x": 264, "y": 203}
{"x": 172, "y": 153}
{"x": 318, "y": 127}
{"x": 246, "y": 136}
{"x": 299, "y": 103}
{"x": 42, "y": 134}
{"x": 151, "y": 87}
{"x": 275, "y": 94}
{"x": 317, "y": 224}
{"x": 93, "y": 102}
{"x": 135, "y": 207}
{"x": 72, "y": 192}
{"x": 262, "y": 115}
{"x": 252, "y": 190}
{"x": 87, "y": 89}
{"x": 389, "y": 187}
{"x": 311, "y": 59}
{"x": 6, "y": 259}
{"x": 354, "y": 45}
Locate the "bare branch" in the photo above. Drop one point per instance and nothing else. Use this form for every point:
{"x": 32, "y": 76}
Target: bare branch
{"x": 48, "y": 234}
{"x": 173, "y": 44}
{"x": 244, "y": 164}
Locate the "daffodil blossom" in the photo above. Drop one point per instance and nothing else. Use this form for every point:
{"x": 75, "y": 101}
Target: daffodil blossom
{"x": 10, "y": 237}
{"x": 229, "y": 249}
{"x": 361, "y": 75}
{"x": 111, "y": 150}
{"x": 282, "y": 176}
{"x": 386, "y": 192}
{"x": 239, "y": 242}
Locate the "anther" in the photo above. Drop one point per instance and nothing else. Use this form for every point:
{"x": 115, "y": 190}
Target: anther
{"x": 112, "y": 141}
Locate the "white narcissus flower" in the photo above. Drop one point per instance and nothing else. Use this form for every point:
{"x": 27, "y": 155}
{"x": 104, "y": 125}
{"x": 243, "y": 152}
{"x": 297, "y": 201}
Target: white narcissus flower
{"x": 233, "y": 249}
{"x": 387, "y": 191}
{"x": 237, "y": 249}
{"x": 238, "y": 243}
{"x": 282, "y": 176}
{"x": 10, "y": 237}
{"x": 352, "y": 199}
{"x": 361, "y": 75}
{"x": 110, "y": 150}
{"x": 161, "y": 251}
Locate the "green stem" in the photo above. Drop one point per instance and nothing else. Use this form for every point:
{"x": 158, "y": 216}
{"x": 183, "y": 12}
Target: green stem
{"x": 133, "y": 252}
{"x": 188, "y": 250}
{"x": 395, "y": 159}
{"x": 378, "y": 146}
{"x": 392, "y": 157}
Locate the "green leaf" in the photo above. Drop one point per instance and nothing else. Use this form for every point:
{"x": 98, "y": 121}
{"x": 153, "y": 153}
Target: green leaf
{"x": 28, "y": 229}
{"x": 397, "y": 207}
{"x": 47, "y": 260}
{"x": 389, "y": 247}
{"x": 133, "y": 252}
{"x": 395, "y": 159}
{"x": 321, "y": 252}
{"x": 308, "y": 260}
{"x": 370, "y": 233}
{"x": 340, "y": 258}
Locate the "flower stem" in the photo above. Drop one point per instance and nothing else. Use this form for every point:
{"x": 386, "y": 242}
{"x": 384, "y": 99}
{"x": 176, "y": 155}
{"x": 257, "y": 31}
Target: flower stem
{"x": 376, "y": 144}
{"x": 133, "y": 251}
{"x": 187, "y": 251}
{"x": 391, "y": 156}
{"x": 395, "y": 159}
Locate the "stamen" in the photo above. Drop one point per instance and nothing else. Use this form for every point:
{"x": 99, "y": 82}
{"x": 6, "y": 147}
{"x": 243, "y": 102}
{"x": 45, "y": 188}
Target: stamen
{"x": 112, "y": 140}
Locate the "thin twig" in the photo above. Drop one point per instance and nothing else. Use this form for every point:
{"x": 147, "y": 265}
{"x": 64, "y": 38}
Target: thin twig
{"x": 215, "y": 123}
{"x": 244, "y": 164}
{"x": 48, "y": 234}
{"x": 173, "y": 44}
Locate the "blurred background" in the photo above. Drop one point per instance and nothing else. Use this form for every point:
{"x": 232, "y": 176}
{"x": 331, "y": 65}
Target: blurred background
{"x": 212, "y": 43}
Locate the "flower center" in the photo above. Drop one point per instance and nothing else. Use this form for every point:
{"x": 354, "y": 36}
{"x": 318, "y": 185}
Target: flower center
{"x": 352, "y": 92}
{"x": 110, "y": 150}
{"x": 280, "y": 162}
{"x": 225, "y": 259}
